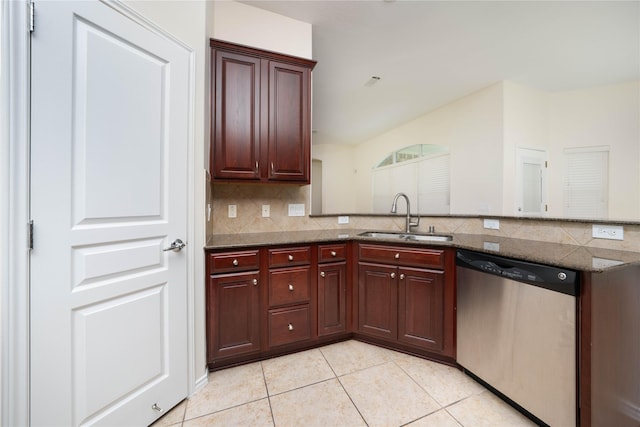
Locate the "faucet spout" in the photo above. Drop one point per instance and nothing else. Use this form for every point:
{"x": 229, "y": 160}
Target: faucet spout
{"x": 394, "y": 209}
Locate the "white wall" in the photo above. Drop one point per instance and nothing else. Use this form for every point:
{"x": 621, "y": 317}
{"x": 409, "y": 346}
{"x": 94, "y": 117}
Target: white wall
{"x": 605, "y": 115}
{"x": 250, "y": 26}
{"x": 484, "y": 130}
{"x": 472, "y": 128}
{"x": 526, "y": 125}
{"x": 340, "y": 176}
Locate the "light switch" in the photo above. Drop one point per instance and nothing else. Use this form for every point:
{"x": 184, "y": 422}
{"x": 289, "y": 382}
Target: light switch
{"x": 296, "y": 209}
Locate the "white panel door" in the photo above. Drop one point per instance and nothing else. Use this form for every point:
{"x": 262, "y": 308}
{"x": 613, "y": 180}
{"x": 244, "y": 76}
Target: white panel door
{"x": 110, "y": 109}
{"x": 531, "y": 182}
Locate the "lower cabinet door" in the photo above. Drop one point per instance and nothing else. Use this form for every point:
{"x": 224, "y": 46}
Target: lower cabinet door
{"x": 421, "y": 306}
{"x": 233, "y": 315}
{"x": 377, "y": 300}
{"x": 332, "y": 298}
{"x": 289, "y": 325}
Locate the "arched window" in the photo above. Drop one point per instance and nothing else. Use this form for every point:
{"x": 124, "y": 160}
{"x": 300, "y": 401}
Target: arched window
{"x": 421, "y": 171}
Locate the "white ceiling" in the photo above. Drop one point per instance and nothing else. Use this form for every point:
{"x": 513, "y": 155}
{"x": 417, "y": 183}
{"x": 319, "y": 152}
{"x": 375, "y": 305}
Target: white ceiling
{"x": 429, "y": 53}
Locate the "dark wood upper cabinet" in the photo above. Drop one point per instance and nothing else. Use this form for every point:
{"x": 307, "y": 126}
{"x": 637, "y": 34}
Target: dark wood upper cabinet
{"x": 260, "y": 115}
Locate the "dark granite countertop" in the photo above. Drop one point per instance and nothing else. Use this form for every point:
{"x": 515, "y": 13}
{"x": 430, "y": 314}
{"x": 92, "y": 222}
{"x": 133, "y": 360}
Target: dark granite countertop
{"x": 576, "y": 257}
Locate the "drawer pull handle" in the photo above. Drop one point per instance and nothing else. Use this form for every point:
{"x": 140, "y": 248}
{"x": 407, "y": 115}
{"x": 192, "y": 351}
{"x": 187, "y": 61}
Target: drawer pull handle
{"x": 393, "y": 275}
{"x": 290, "y": 257}
{"x": 255, "y": 282}
{"x": 155, "y": 407}
{"x": 235, "y": 262}
{"x": 397, "y": 256}
{"x": 402, "y": 276}
{"x": 333, "y": 253}
{"x": 322, "y": 274}
{"x": 256, "y": 167}
{"x": 290, "y": 287}
{"x": 290, "y": 327}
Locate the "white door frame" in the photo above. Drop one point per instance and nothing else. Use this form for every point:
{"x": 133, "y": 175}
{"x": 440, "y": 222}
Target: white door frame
{"x": 14, "y": 192}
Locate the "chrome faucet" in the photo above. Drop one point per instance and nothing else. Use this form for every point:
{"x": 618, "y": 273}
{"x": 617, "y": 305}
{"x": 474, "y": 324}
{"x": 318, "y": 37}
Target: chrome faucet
{"x": 394, "y": 209}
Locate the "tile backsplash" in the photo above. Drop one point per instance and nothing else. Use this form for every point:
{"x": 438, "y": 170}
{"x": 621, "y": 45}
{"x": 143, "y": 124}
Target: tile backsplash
{"x": 249, "y": 199}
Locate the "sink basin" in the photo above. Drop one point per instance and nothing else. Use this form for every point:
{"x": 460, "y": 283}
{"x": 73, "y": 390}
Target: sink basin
{"x": 430, "y": 237}
{"x": 407, "y": 236}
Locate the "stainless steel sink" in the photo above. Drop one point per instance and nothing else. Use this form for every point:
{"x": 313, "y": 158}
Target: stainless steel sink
{"x": 407, "y": 236}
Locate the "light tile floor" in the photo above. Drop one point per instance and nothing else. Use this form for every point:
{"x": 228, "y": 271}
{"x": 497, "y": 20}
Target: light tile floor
{"x": 345, "y": 384}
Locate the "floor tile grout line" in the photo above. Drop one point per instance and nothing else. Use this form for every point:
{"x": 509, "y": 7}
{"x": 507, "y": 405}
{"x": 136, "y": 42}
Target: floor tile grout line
{"x": 361, "y": 359}
{"x": 345, "y": 390}
{"x": 266, "y": 387}
{"x": 421, "y": 387}
{"x": 225, "y": 409}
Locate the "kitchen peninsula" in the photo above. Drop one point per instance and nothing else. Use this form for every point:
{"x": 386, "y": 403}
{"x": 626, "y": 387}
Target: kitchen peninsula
{"x": 608, "y": 294}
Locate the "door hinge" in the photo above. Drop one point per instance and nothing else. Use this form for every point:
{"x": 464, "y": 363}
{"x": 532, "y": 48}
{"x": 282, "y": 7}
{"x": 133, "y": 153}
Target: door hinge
{"x": 30, "y": 235}
{"x": 546, "y": 208}
{"x": 32, "y": 20}
{"x": 546, "y": 164}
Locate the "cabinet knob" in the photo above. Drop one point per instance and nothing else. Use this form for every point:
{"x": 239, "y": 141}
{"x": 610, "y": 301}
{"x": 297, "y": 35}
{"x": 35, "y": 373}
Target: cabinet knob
{"x": 290, "y": 327}
{"x": 333, "y": 253}
{"x": 290, "y": 257}
{"x": 322, "y": 274}
{"x": 393, "y": 275}
{"x": 255, "y": 282}
{"x": 235, "y": 262}
{"x": 402, "y": 276}
{"x": 290, "y": 287}
{"x": 397, "y": 256}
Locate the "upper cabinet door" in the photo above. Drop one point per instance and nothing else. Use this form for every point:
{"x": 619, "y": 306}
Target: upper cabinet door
{"x": 236, "y": 116}
{"x": 289, "y": 122}
{"x": 261, "y": 115}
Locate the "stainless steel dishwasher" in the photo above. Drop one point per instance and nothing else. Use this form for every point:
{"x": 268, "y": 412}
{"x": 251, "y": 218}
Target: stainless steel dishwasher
{"x": 516, "y": 332}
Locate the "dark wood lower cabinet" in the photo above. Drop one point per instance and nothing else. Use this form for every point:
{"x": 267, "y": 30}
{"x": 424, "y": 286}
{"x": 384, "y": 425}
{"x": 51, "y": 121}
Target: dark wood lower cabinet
{"x": 263, "y": 302}
{"x": 405, "y": 304}
{"x": 332, "y": 298}
{"x": 233, "y": 314}
{"x": 377, "y": 300}
{"x": 421, "y": 303}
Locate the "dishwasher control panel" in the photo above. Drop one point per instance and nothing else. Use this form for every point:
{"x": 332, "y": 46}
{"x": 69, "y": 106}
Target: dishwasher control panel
{"x": 553, "y": 278}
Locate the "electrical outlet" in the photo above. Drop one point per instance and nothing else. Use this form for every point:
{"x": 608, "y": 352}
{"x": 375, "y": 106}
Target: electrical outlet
{"x": 492, "y": 224}
{"x": 296, "y": 209}
{"x": 233, "y": 211}
{"x": 612, "y": 232}
{"x": 491, "y": 246}
{"x": 343, "y": 220}
{"x": 266, "y": 211}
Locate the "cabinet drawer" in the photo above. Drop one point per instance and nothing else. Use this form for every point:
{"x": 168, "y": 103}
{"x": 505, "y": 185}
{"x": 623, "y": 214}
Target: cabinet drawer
{"x": 328, "y": 253}
{"x": 233, "y": 261}
{"x": 289, "y": 286}
{"x": 402, "y": 256}
{"x": 288, "y": 325}
{"x": 283, "y": 257}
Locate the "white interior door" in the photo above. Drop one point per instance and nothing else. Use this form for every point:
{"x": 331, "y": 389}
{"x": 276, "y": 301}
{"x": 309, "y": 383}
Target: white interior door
{"x": 108, "y": 192}
{"x": 531, "y": 181}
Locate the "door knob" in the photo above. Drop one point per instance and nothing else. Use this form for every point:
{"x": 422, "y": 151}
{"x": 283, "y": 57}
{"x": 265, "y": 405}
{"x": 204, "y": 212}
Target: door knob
{"x": 176, "y": 246}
